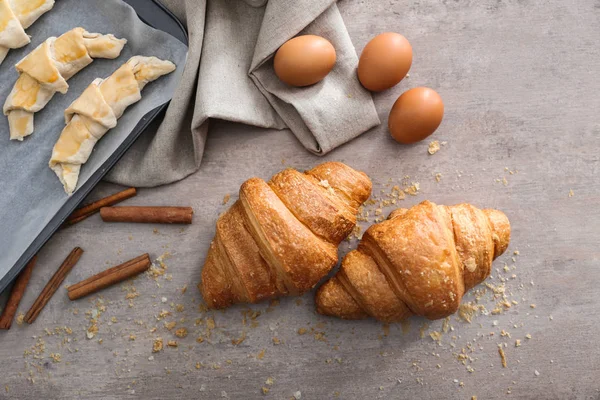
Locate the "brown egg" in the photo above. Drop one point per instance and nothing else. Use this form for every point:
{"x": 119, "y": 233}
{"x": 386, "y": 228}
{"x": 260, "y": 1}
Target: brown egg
{"x": 415, "y": 115}
{"x": 384, "y": 61}
{"x": 304, "y": 60}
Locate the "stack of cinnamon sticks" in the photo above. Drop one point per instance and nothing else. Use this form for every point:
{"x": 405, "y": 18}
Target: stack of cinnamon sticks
{"x": 144, "y": 214}
{"x": 111, "y": 276}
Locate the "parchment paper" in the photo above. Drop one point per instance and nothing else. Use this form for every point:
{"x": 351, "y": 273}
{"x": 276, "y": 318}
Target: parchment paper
{"x": 30, "y": 193}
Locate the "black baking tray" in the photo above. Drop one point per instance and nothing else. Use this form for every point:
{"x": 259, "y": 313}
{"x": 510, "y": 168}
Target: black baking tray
{"x": 156, "y": 15}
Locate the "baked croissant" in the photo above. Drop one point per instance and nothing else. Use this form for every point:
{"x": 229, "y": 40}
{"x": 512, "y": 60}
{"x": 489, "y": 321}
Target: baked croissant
{"x": 97, "y": 110}
{"x": 281, "y": 237}
{"x": 15, "y": 17}
{"x": 46, "y": 70}
{"x": 420, "y": 261}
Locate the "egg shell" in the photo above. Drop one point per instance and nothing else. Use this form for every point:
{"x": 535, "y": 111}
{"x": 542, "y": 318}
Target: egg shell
{"x": 384, "y": 61}
{"x": 304, "y": 60}
{"x": 415, "y": 115}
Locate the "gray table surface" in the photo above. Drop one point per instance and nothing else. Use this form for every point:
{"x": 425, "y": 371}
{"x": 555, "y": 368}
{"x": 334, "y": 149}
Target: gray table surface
{"x": 520, "y": 83}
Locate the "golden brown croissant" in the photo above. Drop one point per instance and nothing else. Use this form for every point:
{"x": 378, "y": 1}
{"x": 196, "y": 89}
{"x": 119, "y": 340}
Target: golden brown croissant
{"x": 419, "y": 261}
{"x": 281, "y": 237}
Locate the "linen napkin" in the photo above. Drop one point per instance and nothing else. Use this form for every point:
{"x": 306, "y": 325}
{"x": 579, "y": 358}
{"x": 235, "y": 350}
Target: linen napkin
{"x": 229, "y": 75}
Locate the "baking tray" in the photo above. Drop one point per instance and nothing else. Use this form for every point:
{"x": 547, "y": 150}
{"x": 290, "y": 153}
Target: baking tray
{"x": 156, "y": 15}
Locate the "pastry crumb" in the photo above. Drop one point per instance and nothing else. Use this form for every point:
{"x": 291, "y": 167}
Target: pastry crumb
{"x": 502, "y": 355}
{"x": 434, "y": 147}
{"x": 226, "y": 198}
{"x": 261, "y": 354}
{"x": 571, "y": 193}
{"x": 157, "y": 345}
{"x": 181, "y": 332}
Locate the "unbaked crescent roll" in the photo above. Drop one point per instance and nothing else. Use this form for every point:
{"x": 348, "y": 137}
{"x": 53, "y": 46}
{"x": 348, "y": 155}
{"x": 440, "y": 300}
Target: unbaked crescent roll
{"x": 46, "y": 70}
{"x": 96, "y": 111}
{"x": 15, "y": 17}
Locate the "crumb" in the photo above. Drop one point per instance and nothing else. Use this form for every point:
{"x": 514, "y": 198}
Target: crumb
{"x": 20, "y": 318}
{"x": 532, "y": 305}
{"x": 269, "y": 381}
{"x": 265, "y": 390}
{"x": 438, "y": 176}
{"x": 528, "y": 336}
{"x": 571, "y": 193}
{"x": 436, "y": 336}
{"x": 181, "y": 332}
{"x": 261, "y": 354}
{"x": 132, "y": 337}
{"x": 412, "y": 189}
{"x": 235, "y": 342}
{"x": 170, "y": 325}
{"x": 536, "y": 373}
{"x": 56, "y": 357}
{"x": 517, "y": 343}
{"x": 198, "y": 365}
{"x": 301, "y": 331}
{"x": 434, "y": 147}
{"x": 226, "y": 198}
{"x": 502, "y": 356}
{"x": 422, "y": 330}
{"x": 184, "y": 289}
{"x": 210, "y": 323}
{"x": 297, "y": 395}
{"x": 276, "y": 341}
{"x": 172, "y": 343}
{"x": 199, "y": 339}
{"x": 179, "y": 307}
{"x": 157, "y": 345}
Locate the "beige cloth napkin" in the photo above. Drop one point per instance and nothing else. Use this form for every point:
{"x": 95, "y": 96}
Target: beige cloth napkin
{"x": 229, "y": 75}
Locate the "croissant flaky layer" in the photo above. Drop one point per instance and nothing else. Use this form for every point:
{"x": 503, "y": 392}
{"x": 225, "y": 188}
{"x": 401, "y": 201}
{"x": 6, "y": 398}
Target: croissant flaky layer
{"x": 420, "y": 261}
{"x": 281, "y": 237}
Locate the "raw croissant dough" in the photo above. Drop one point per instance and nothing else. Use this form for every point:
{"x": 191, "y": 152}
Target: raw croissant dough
{"x": 15, "y": 17}
{"x": 46, "y": 70}
{"x": 96, "y": 111}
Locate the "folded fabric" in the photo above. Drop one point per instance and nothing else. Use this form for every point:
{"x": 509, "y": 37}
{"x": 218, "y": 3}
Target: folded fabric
{"x": 229, "y": 75}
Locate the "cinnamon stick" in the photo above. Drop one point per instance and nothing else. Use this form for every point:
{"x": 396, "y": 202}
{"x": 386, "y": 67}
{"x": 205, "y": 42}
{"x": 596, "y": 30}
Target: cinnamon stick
{"x": 109, "y": 277}
{"x": 158, "y": 215}
{"x": 88, "y": 210}
{"x": 53, "y": 285}
{"x": 16, "y": 294}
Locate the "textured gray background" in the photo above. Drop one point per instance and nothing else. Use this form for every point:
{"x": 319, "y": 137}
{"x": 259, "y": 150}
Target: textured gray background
{"x": 519, "y": 80}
